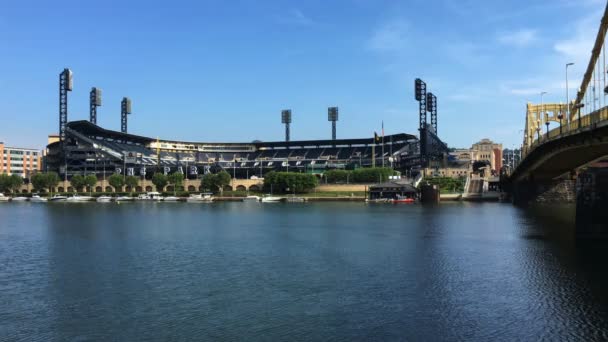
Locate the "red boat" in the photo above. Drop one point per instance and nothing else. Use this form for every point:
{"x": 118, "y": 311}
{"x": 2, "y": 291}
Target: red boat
{"x": 403, "y": 200}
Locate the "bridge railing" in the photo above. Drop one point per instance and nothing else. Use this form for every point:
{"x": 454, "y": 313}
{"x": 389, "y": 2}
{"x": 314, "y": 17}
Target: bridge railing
{"x": 597, "y": 117}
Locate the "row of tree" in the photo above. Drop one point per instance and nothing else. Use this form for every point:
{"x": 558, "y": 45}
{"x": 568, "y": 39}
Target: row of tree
{"x": 289, "y": 182}
{"x": 50, "y": 180}
{"x": 10, "y": 183}
{"x": 447, "y": 184}
{"x": 362, "y": 175}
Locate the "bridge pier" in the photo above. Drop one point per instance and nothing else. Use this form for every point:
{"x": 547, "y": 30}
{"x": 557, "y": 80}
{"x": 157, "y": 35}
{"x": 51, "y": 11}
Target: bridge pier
{"x": 592, "y": 203}
{"x": 543, "y": 191}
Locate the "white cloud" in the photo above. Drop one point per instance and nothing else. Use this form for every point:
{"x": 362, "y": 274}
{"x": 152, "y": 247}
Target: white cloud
{"x": 519, "y": 38}
{"x": 578, "y": 47}
{"x": 390, "y": 37}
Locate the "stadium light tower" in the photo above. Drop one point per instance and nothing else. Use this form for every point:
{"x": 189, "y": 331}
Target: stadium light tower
{"x": 65, "y": 85}
{"x": 286, "y": 119}
{"x": 431, "y": 107}
{"x": 95, "y": 101}
{"x": 125, "y": 108}
{"x": 332, "y": 115}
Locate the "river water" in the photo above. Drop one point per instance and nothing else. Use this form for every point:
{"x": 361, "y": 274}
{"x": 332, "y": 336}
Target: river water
{"x": 313, "y": 271}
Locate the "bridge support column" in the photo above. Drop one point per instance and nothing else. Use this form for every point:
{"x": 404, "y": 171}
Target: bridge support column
{"x": 549, "y": 191}
{"x": 592, "y": 203}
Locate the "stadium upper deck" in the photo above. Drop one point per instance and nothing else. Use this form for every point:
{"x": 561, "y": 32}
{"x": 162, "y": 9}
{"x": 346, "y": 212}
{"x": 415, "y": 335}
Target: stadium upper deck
{"x": 89, "y": 147}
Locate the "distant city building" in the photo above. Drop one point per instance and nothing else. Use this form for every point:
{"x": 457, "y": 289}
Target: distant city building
{"x": 483, "y": 151}
{"x": 487, "y": 150}
{"x": 19, "y": 161}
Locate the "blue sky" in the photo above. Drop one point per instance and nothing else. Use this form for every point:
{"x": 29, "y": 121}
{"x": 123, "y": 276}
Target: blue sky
{"x": 223, "y": 70}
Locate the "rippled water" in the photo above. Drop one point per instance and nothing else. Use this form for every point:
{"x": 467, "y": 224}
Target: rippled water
{"x": 330, "y": 271}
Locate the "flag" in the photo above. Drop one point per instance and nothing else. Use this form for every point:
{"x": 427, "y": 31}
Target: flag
{"x": 383, "y": 128}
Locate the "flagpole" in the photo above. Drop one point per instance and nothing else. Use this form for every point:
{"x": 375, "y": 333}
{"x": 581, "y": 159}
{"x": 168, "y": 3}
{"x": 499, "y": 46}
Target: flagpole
{"x": 382, "y": 143}
{"x": 374, "y": 150}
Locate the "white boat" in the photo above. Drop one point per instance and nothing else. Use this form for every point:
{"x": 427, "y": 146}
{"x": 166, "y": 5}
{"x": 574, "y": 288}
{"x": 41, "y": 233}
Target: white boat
{"x": 271, "y": 199}
{"x": 58, "y": 198}
{"x": 171, "y": 199}
{"x": 77, "y": 198}
{"x": 3, "y": 198}
{"x": 37, "y": 198}
{"x": 204, "y": 197}
{"x": 123, "y": 198}
{"x": 251, "y": 199}
{"x": 19, "y": 199}
{"x": 150, "y": 196}
{"x": 104, "y": 199}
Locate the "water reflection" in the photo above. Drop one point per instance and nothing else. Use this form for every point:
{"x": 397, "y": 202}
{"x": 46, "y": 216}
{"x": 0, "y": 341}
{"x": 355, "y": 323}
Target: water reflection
{"x": 341, "y": 271}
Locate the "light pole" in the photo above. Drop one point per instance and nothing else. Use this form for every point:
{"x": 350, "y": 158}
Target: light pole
{"x": 568, "y": 97}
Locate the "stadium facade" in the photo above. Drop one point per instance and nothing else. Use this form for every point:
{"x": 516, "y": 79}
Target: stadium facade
{"x": 88, "y": 148}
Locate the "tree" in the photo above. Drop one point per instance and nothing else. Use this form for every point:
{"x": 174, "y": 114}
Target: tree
{"x": 77, "y": 182}
{"x": 51, "y": 180}
{"x": 4, "y": 182}
{"x": 177, "y": 180}
{"x": 160, "y": 181}
{"x": 131, "y": 182}
{"x": 116, "y": 181}
{"x": 208, "y": 181}
{"x": 90, "y": 181}
{"x": 216, "y": 181}
{"x": 15, "y": 182}
{"x": 294, "y": 181}
{"x": 222, "y": 179}
{"x": 39, "y": 181}
{"x": 337, "y": 176}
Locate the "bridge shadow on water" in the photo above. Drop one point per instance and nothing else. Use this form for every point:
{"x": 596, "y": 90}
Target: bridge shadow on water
{"x": 583, "y": 258}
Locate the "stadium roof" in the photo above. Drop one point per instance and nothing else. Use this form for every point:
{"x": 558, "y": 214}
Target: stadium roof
{"x": 89, "y": 128}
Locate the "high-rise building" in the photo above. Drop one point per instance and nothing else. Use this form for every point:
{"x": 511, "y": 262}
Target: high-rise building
{"x": 19, "y": 161}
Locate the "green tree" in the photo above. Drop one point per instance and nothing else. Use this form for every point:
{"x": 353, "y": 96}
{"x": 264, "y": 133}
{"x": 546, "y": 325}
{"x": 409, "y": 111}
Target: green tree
{"x": 338, "y": 176}
{"x": 372, "y": 174}
{"x": 208, "y": 181}
{"x": 132, "y": 182}
{"x": 116, "y": 181}
{"x": 216, "y": 181}
{"x": 77, "y": 182}
{"x": 39, "y": 181}
{"x": 90, "y": 181}
{"x": 222, "y": 179}
{"x": 5, "y": 181}
{"x": 51, "y": 180}
{"x": 15, "y": 183}
{"x": 290, "y": 181}
{"x": 176, "y": 179}
{"x": 160, "y": 181}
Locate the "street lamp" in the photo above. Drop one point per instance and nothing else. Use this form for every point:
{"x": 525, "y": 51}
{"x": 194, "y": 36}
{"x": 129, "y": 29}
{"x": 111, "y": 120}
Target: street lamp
{"x": 567, "y": 97}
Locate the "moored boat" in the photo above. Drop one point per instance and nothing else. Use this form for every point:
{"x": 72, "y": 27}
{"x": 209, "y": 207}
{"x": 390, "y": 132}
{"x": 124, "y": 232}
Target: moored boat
{"x": 251, "y": 198}
{"x": 403, "y": 199}
{"x": 171, "y": 199}
{"x": 124, "y": 198}
{"x": 271, "y": 199}
{"x": 200, "y": 198}
{"x": 104, "y": 199}
{"x": 150, "y": 196}
{"x": 78, "y": 198}
{"x": 37, "y": 198}
{"x": 3, "y": 198}
{"x": 58, "y": 198}
{"x": 19, "y": 199}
